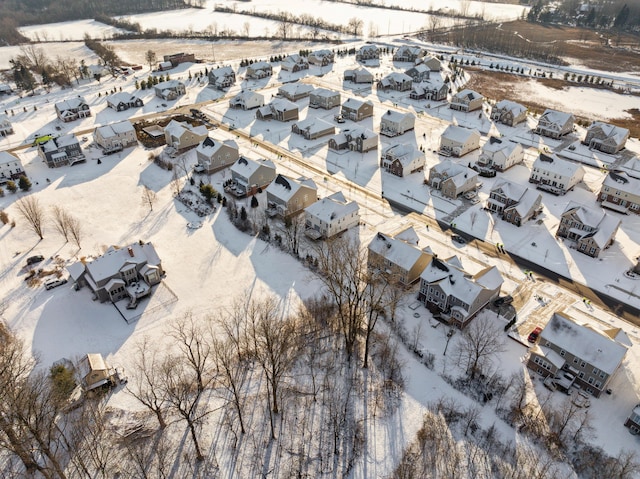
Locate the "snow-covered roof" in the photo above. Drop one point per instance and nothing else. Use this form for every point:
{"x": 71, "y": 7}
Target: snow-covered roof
{"x": 261, "y": 65}
{"x": 527, "y": 201}
{"x": 332, "y": 208}
{"x": 60, "y": 142}
{"x": 513, "y": 191}
{"x": 284, "y": 187}
{"x": 111, "y": 262}
{"x": 115, "y": 129}
{"x": 122, "y": 97}
{"x": 606, "y": 229}
{"x": 71, "y": 104}
{"x": 314, "y": 125}
{"x": 403, "y": 152}
{"x": 297, "y": 88}
{"x": 468, "y": 94}
{"x": 178, "y": 128}
{"x": 556, "y": 117}
{"x": 281, "y": 104}
{"x": 397, "y": 77}
{"x": 6, "y": 157}
{"x": 587, "y": 216}
{"x": 459, "y": 134}
{"x": 324, "y": 93}
{"x": 496, "y": 144}
{"x": 394, "y": 116}
{"x": 512, "y": 106}
{"x": 489, "y": 278}
{"x": 245, "y": 167}
{"x": 355, "y": 103}
{"x": 617, "y": 133}
{"x": 554, "y": 164}
{"x": 549, "y": 354}
{"x": 209, "y": 146}
{"x": 453, "y": 280}
{"x": 622, "y": 181}
{"x": 246, "y": 95}
{"x": 402, "y": 254}
{"x": 221, "y": 72}
{"x": 169, "y": 85}
{"x": 585, "y": 342}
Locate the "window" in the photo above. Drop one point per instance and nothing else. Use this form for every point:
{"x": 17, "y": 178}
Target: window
{"x": 562, "y": 353}
{"x": 590, "y": 380}
{"x": 581, "y": 375}
{"x": 575, "y": 360}
{"x": 598, "y": 384}
{"x": 582, "y": 364}
{"x": 601, "y": 375}
{"x": 595, "y": 370}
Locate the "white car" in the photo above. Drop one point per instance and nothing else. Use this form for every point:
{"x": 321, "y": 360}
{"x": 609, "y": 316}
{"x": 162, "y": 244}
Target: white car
{"x": 54, "y": 283}
{"x": 199, "y": 168}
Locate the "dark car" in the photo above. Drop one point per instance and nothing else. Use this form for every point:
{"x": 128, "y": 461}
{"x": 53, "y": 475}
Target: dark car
{"x": 533, "y": 335}
{"x": 458, "y": 239}
{"x": 34, "y": 259}
{"x": 508, "y": 299}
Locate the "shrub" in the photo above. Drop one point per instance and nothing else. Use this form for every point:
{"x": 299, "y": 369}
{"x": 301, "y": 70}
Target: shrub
{"x": 11, "y": 186}
{"x": 24, "y": 183}
{"x": 4, "y": 217}
{"x": 62, "y": 381}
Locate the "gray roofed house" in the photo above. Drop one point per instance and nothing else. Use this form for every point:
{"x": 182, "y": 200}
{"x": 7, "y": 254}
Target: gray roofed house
{"x": 287, "y": 197}
{"x": 354, "y": 139}
{"x": 64, "y": 150}
{"x": 331, "y": 216}
{"x": 508, "y": 112}
{"x": 222, "y": 78}
{"x": 279, "y": 109}
{"x": 606, "y": 137}
{"x": 313, "y": 128}
{"x": 555, "y": 175}
{"x": 555, "y": 124}
{"x": 620, "y": 192}
{"x": 123, "y": 101}
{"x": 214, "y": 155}
{"x": 72, "y": 109}
{"x": 434, "y": 64}
{"x": 589, "y": 355}
{"x": 500, "y": 154}
{"x": 295, "y": 91}
{"x": 120, "y": 273}
{"x": 359, "y": 75}
{"x": 466, "y": 100}
{"x": 402, "y": 159}
{"x": 592, "y": 230}
{"x": 398, "y": 257}
{"x": 396, "y": 123}
{"x": 247, "y": 100}
{"x": 455, "y": 295}
{"x": 513, "y": 202}
{"x": 458, "y": 140}
{"x": 169, "y": 90}
{"x": 115, "y": 137}
{"x": 248, "y": 176}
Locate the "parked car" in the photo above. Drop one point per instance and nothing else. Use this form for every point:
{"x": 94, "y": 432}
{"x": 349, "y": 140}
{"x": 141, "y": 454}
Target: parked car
{"x": 34, "y": 259}
{"x": 533, "y": 335}
{"x": 339, "y": 119}
{"x": 54, "y": 283}
{"x": 503, "y": 301}
{"x": 458, "y": 239}
{"x": 199, "y": 168}
{"x": 470, "y": 195}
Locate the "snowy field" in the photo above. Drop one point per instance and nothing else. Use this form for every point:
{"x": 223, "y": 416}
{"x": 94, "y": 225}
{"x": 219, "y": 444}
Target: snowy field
{"x": 65, "y": 31}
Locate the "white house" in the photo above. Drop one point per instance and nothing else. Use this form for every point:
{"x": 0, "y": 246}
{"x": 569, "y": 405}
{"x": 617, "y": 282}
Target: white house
{"x": 402, "y": 159}
{"x": 115, "y": 137}
{"x": 247, "y": 100}
{"x": 458, "y": 141}
{"x": 395, "y": 123}
{"x": 500, "y": 154}
{"x": 555, "y": 175}
{"x": 330, "y": 216}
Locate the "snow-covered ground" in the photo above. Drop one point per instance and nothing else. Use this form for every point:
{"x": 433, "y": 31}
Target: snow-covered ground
{"x": 210, "y": 266}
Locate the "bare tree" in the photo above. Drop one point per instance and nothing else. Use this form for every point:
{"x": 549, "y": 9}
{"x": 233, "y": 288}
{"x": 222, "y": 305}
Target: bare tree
{"x": 59, "y": 219}
{"x": 148, "y": 197}
{"x": 285, "y": 25}
{"x": 176, "y": 184}
{"x": 33, "y": 57}
{"x": 195, "y": 347}
{"x": 145, "y": 383}
{"x": 34, "y": 214}
{"x": 355, "y": 26}
{"x": 232, "y": 375}
{"x": 292, "y": 231}
{"x": 150, "y": 57}
{"x": 480, "y": 342}
{"x": 75, "y": 230}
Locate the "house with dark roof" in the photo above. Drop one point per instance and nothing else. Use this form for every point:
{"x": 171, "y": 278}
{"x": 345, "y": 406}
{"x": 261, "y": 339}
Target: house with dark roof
{"x": 64, "y": 150}
{"x": 215, "y": 155}
{"x": 399, "y": 257}
{"x": 620, "y": 192}
{"x": 120, "y": 273}
{"x": 454, "y": 295}
{"x": 591, "y": 230}
{"x": 287, "y": 197}
{"x": 331, "y": 216}
{"x": 577, "y": 355}
{"x": 354, "y": 139}
{"x": 633, "y": 421}
{"x": 466, "y": 100}
{"x": 402, "y": 159}
{"x": 606, "y": 137}
{"x": 555, "y": 124}
{"x": 513, "y": 202}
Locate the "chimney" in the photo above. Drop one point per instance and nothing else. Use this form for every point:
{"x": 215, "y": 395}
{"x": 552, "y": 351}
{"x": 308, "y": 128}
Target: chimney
{"x": 130, "y": 249}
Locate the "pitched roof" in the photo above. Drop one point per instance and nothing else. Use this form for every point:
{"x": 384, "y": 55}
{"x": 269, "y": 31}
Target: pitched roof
{"x": 515, "y": 108}
{"x": 618, "y": 133}
{"x": 402, "y": 254}
{"x": 355, "y": 104}
{"x": 122, "y": 97}
{"x": 513, "y": 191}
{"x": 296, "y": 88}
{"x": 71, "y": 103}
{"x": 556, "y": 117}
{"x": 622, "y": 181}
{"x": 459, "y": 133}
{"x": 246, "y": 166}
{"x": 332, "y": 208}
{"x": 396, "y": 116}
{"x": 468, "y": 94}
{"x": 114, "y": 259}
{"x": 209, "y": 146}
{"x": 554, "y": 164}
{"x": 284, "y": 187}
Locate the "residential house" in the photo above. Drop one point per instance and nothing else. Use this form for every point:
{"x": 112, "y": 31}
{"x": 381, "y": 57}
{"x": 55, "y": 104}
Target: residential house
{"x": 287, "y": 197}
{"x": 356, "y": 110}
{"x": 513, "y": 202}
{"x": 247, "y": 100}
{"x": 123, "y": 101}
{"x": 508, "y": 112}
{"x": 248, "y": 176}
{"x": 458, "y": 140}
{"x": 222, "y": 78}
{"x": 577, "y": 355}
{"x": 454, "y": 295}
{"x": 324, "y": 98}
{"x": 120, "y": 273}
{"x": 620, "y": 192}
{"x": 419, "y": 73}
{"x": 357, "y": 139}
{"x": 6, "y": 128}
{"x": 176, "y": 59}
{"x": 402, "y": 159}
{"x": 399, "y": 258}
{"x": 500, "y": 154}
{"x": 555, "y": 124}
{"x": 429, "y": 91}
{"x": 630, "y": 166}
{"x": 5, "y": 89}
{"x": 408, "y": 53}
{"x": 633, "y": 421}
{"x": 279, "y": 109}
{"x": 294, "y": 63}
{"x": 452, "y": 179}
{"x": 434, "y": 64}
{"x": 182, "y": 136}
{"x": 313, "y": 128}
{"x": 331, "y": 216}
{"x": 169, "y": 90}
{"x": 64, "y": 150}
{"x": 321, "y": 58}
{"x": 10, "y": 167}
{"x": 395, "y": 81}
{"x": 367, "y": 52}
{"x": 214, "y": 155}
{"x": 359, "y": 75}
{"x": 396, "y": 123}
{"x": 95, "y": 372}
{"x": 606, "y": 137}
{"x": 72, "y": 109}
{"x": 466, "y": 100}
{"x": 115, "y": 137}
{"x": 591, "y": 229}
{"x": 555, "y": 175}
{"x": 295, "y": 91}
{"x": 259, "y": 70}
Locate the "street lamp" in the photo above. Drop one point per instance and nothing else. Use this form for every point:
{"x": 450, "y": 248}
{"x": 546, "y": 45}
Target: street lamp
{"x": 449, "y": 334}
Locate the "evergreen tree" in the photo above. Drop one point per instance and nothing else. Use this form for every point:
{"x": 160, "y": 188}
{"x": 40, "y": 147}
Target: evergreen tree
{"x": 243, "y": 214}
{"x": 11, "y": 186}
{"x": 254, "y": 202}
{"x": 24, "y": 183}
